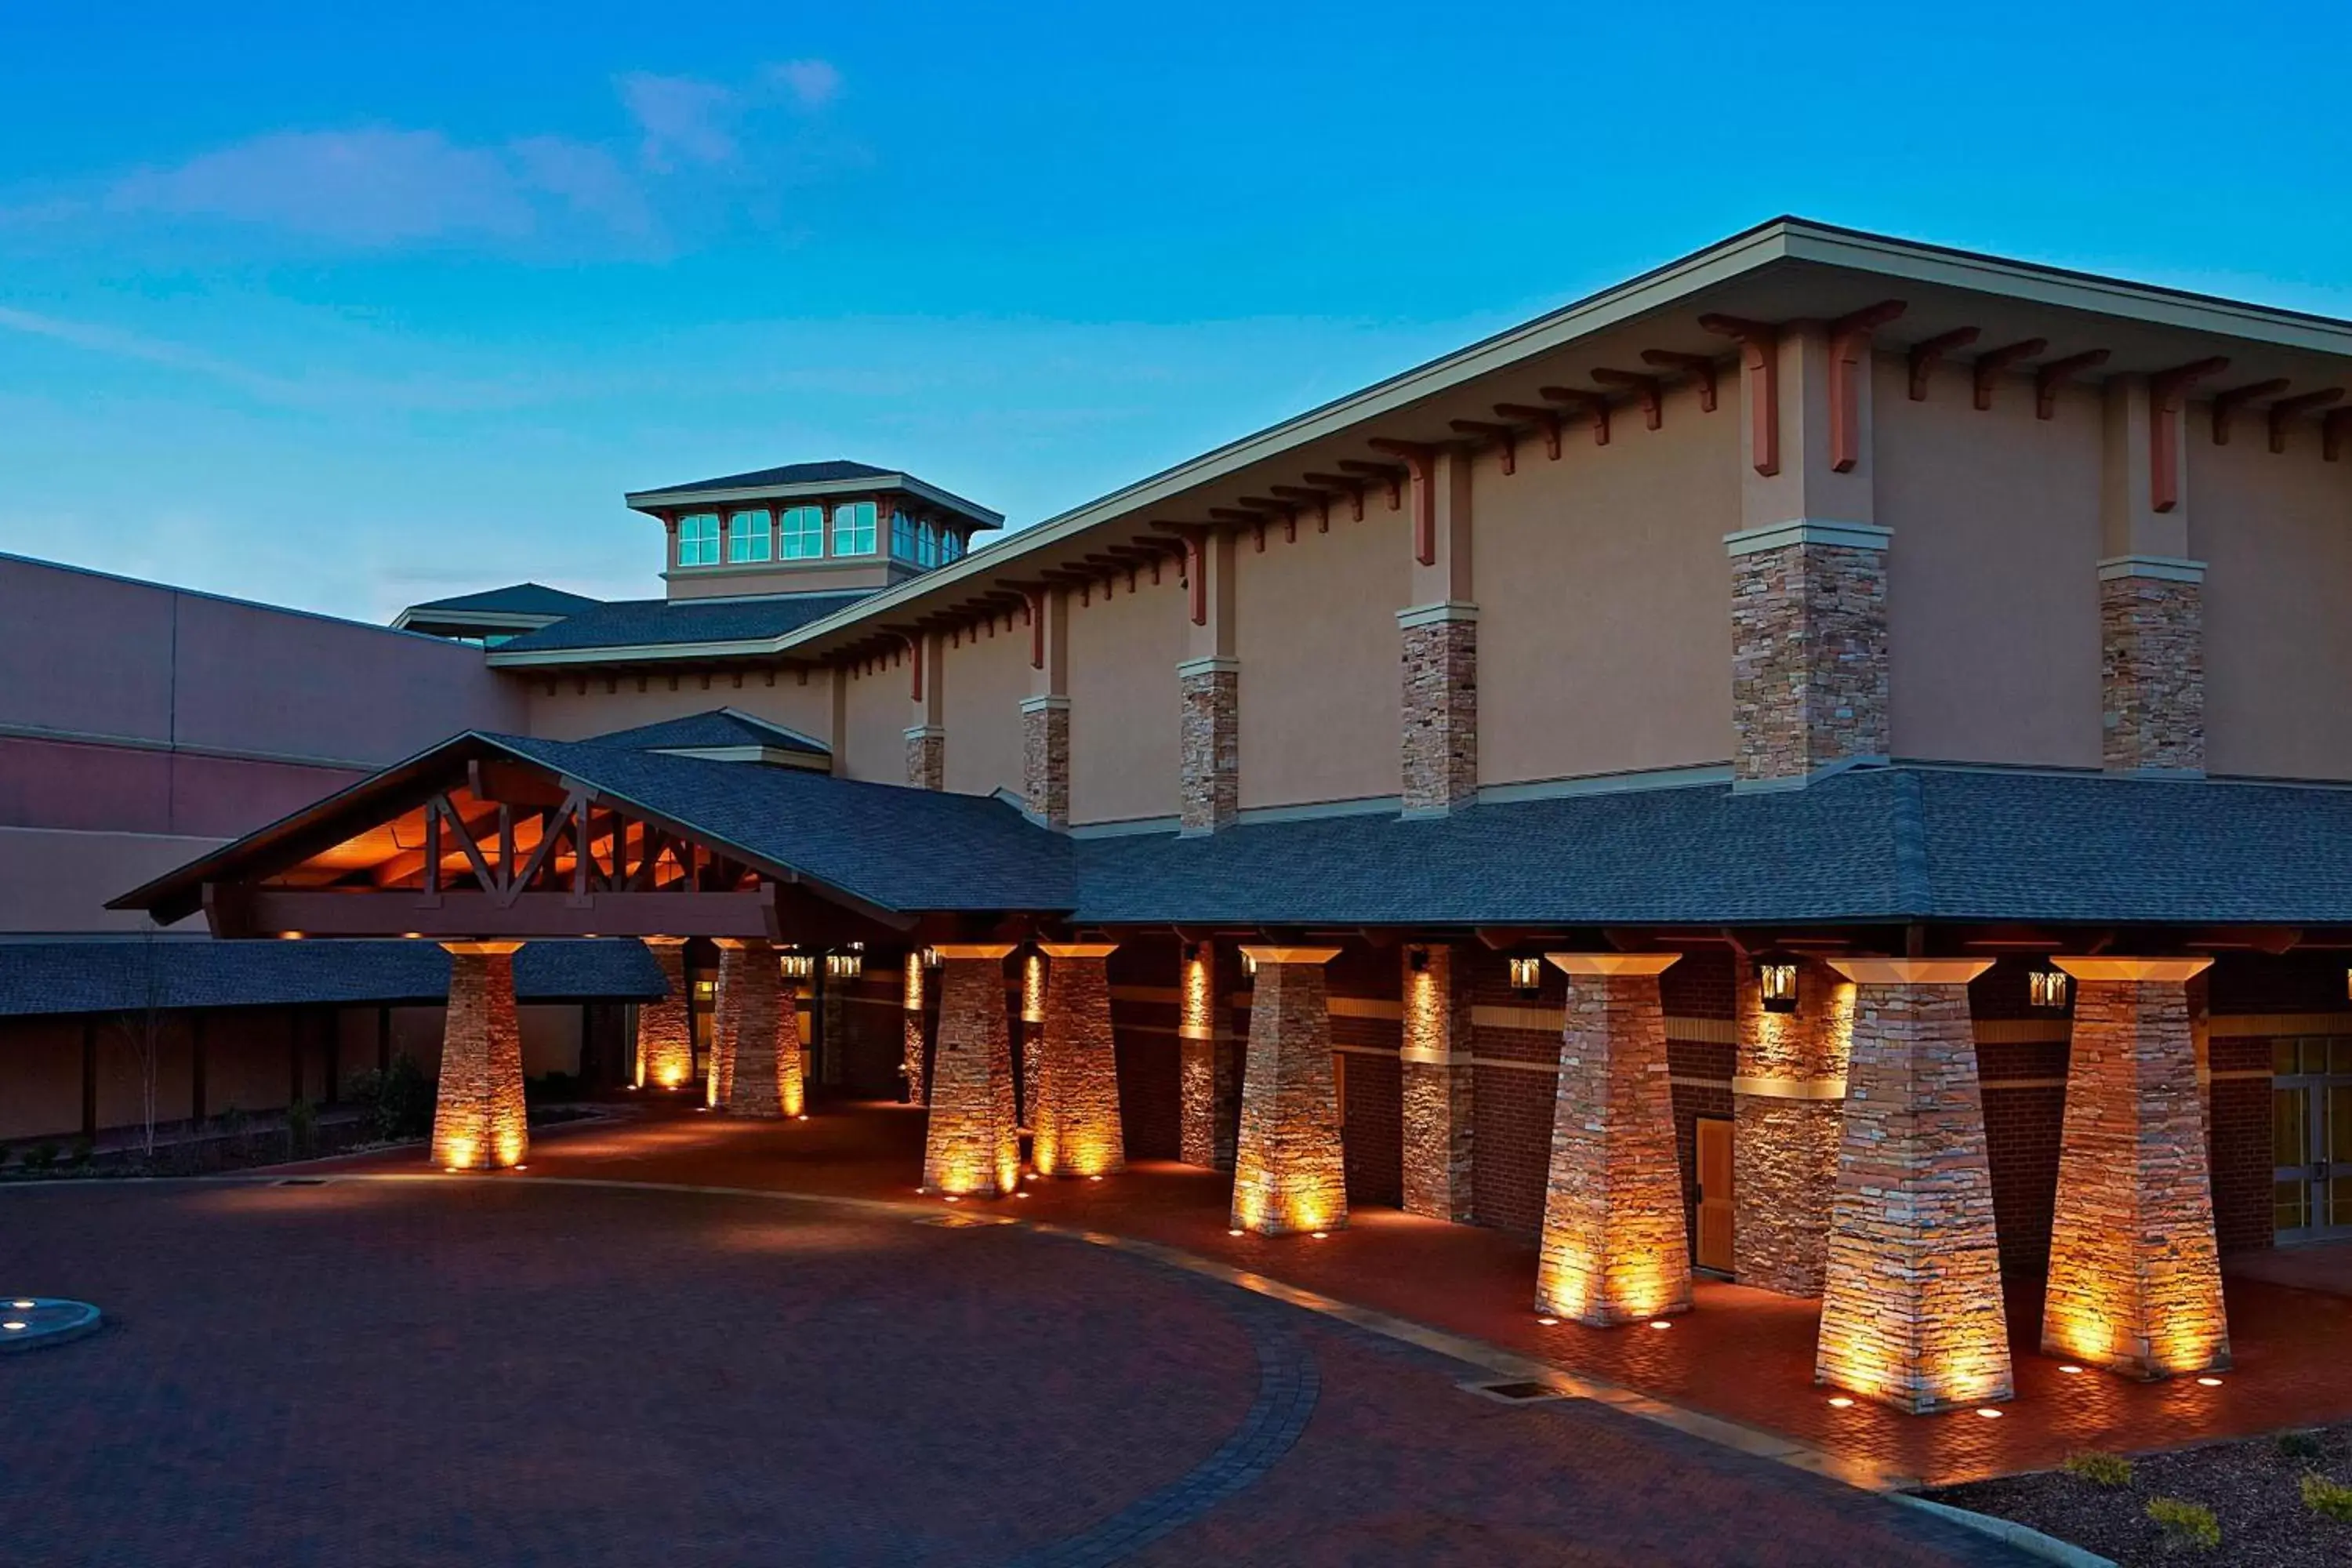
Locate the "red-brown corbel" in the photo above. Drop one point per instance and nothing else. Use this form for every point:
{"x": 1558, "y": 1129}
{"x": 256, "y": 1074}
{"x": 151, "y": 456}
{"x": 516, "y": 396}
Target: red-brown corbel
{"x": 1421, "y": 459}
{"x": 1701, "y": 367}
{"x": 2048, "y": 378}
{"x": 2166, "y": 391}
{"x": 1594, "y": 405}
{"x": 1648, "y": 390}
{"x": 2227, "y": 403}
{"x": 1849, "y": 363}
{"x": 1759, "y": 356}
{"x": 2286, "y": 410}
{"x": 1929, "y": 352}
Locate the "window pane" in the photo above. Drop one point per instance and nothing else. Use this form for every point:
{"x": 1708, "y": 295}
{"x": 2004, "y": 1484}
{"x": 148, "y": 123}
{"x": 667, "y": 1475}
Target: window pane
{"x": 2291, "y": 1126}
{"x": 2314, "y": 1055}
{"x": 853, "y": 528}
{"x": 2290, "y": 1205}
{"x": 2282, "y": 1057}
{"x": 800, "y": 533}
{"x": 950, "y": 547}
{"x": 697, "y": 540}
{"x": 747, "y": 537}
{"x": 927, "y": 545}
{"x": 2339, "y": 1057}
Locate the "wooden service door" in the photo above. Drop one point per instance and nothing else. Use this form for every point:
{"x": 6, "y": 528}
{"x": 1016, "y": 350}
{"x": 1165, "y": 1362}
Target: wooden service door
{"x": 1714, "y": 1193}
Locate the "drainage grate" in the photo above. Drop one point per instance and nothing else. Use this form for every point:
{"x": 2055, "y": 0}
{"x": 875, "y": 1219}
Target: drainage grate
{"x": 1518, "y": 1393}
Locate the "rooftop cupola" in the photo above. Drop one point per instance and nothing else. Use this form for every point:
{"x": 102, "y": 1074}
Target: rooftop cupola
{"x": 808, "y": 528}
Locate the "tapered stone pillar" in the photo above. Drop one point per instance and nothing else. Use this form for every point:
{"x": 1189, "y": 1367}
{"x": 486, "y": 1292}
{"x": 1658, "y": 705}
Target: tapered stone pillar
{"x": 762, "y": 1077}
{"x": 1076, "y": 1130}
{"x": 480, "y": 1120}
{"x": 1289, "y": 1174}
{"x": 1911, "y": 1306}
{"x": 910, "y": 1057}
{"x": 971, "y": 1143}
{"x": 1787, "y": 1080}
{"x": 726, "y": 1024}
{"x": 665, "y": 1028}
{"x": 1437, "y": 1079}
{"x": 1614, "y": 1247}
{"x": 1033, "y": 1034}
{"x": 2134, "y": 1281}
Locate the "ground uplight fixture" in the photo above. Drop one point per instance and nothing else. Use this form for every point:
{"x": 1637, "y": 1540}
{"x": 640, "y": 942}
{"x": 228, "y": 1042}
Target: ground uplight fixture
{"x": 1776, "y": 980}
{"x": 1526, "y": 974}
{"x": 2046, "y": 988}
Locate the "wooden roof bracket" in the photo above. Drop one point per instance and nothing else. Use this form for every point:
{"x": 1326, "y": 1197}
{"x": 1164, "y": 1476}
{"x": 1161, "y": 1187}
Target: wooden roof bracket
{"x": 1927, "y": 353}
{"x": 1759, "y": 356}
{"x": 2048, "y": 378}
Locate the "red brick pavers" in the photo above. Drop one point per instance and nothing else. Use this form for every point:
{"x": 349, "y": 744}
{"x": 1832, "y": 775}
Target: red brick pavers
{"x": 1743, "y": 1355}
{"x": 510, "y": 1370}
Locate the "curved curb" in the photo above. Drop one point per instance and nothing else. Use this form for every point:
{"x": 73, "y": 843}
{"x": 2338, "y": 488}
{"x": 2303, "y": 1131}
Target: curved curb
{"x": 36, "y": 1322}
{"x": 2008, "y": 1532}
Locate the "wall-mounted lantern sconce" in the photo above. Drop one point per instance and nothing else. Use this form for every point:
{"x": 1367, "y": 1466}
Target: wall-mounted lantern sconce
{"x": 931, "y": 959}
{"x": 847, "y": 964}
{"x": 1526, "y": 974}
{"x": 2046, "y": 987}
{"x": 1249, "y": 963}
{"x": 1776, "y": 979}
{"x": 796, "y": 964}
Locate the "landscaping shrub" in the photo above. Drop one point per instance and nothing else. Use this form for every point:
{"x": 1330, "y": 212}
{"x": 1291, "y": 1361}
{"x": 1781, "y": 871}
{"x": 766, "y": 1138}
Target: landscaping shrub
{"x": 40, "y": 1156}
{"x": 301, "y": 1128}
{"x": 82, "y": 1150}
{"x": 2299, "y": 1445}
{"x": 400, "y": 1100}
{"x": 2100, "y": 1469}
{"x": 2328, "y": 1500}
{"x": 2186, "y": 1523}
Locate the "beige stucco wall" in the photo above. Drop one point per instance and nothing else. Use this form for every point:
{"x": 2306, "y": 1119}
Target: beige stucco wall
{"x": 983, "y": 681}
{"x": 1316, "y": 632}
{"x": 1123, "y": 707}
{"x": 53, "y": 880}
{"x": 1992, "y": 596}
{"x": 876, "y": 713}
{"x": 2275, "y": 532}
{"x": 571, "y": 714}
{"x": 1604, "y": 636}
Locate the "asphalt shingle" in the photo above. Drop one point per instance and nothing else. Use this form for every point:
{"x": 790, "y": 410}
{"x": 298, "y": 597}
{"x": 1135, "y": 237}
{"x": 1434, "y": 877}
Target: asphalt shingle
{"x": 642, "y": 623}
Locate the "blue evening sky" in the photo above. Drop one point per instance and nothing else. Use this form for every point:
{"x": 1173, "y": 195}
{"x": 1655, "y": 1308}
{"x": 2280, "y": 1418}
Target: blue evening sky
{"x": 350, "y": 307}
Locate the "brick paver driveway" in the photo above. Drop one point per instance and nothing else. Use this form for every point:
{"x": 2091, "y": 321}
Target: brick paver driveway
{"x": 520, "y": 1372}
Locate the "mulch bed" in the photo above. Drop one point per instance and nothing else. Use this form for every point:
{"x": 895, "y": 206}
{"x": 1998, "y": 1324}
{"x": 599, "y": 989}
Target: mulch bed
{"x": 2252, "y": 1486}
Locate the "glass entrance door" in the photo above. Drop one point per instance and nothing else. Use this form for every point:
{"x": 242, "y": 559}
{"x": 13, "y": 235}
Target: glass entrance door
{"x": 2311, "y": 1137}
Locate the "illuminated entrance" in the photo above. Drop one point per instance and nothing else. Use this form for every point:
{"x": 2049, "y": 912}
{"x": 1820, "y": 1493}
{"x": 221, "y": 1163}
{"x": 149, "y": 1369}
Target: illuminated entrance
{"x": 2311, "y": 1136}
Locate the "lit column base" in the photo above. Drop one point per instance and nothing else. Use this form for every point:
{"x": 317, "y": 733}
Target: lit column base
{"x": 665, "y": 1028}
{"x": 480, "y": 1120}
{"x": 726, "y": 1024}
{"x": 1437, "y": 1088}
{"x": 2135, "y": 1282}
{"x": 972, "y": 1146}
{"x": 759, "y": 1062}
{"x": 1289, "y": 1170}
{"x": 1614, "y": 1249}
{"x": 1911, "y": 1306}
{"x": 1076, "y": 1128}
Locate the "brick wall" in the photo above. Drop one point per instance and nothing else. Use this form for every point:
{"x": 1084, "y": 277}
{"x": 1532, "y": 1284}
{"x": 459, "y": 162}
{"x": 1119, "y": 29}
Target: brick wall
{"x": 1372, "y": 1114}
{"x": 2242, "y": 1156}
{"x": 1143, "y": 1027}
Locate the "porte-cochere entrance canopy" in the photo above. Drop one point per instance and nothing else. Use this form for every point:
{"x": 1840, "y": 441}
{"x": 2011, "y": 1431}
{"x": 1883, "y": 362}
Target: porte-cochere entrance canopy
{"x": 503, "y": 837}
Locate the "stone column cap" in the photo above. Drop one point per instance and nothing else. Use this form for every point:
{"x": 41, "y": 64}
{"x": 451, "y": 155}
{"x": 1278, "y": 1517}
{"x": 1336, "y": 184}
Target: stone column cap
{"x": 1077, "y": 949}
{"x": 663, "y": 940}
{"x": 1045, "y": 703}
{"x": 492, "y": 948}
{"x": 1292, "y": 955}
{"x": 2159, "y": 969}
{"x": 926, "y": 732}
{"x": 1444, "y": 613}
{"x": 1612, "y": 963}
{"x": 1807, "y": 531}
{"x": 2164, "y": 568}
{"x": 1910, "y": 971}
{"x": 1209, "y": 664}
{"x": 739, "y": 943}
{"x": 972, "y": 948}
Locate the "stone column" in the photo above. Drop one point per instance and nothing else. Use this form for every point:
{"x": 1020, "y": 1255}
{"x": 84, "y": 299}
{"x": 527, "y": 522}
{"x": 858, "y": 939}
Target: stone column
{"x": 1032, "y": 1034}
{"x": 726, "y": 1023}
{"x": 1808, "y": 648}
{"x": 1045, "y": 759}
{"x": 1437, "y": 1083}
{"x": 911, "y": 1059}
{"x": 478, "y": 1117}
{"x": 1440, "y": 751}
{"x": 762, "y": 1076}
{"x": 2152, "y": 666}
{"x": 1077, "y": 1119}
{"x": 1206, "y": 1079}
{"x": 927, "y": 736}
{"x": 2134, "y": 1281}
{"x": 926, "y": 757}
{"x": 971, "y": 1143}
{"x": 665, "y": 1028}
{"x": 1288, "y": 1171}
{"x": 1911, "y": 1308}
{"x": 1614, "y": 1247}
{"x": 1209, "y": 744}
{"x": 1787, "y": 1080}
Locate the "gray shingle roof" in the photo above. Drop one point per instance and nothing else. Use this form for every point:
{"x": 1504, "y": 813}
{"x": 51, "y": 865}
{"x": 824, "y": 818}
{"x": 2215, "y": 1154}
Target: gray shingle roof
{"x": 515, "y": 599}
{"x": 718, "y": 727}
{"x": 839, "y": 470}
{"x": 51, "y": 977}
{"x": 897, "y": 847}
{"x": 640, "y": 623}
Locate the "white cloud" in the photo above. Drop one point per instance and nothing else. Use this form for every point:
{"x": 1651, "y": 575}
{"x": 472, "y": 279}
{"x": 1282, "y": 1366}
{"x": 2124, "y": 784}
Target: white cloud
{"x": 681, "y": 119}
{"x": 371, "y": 186}
{"x": 812, "y": 84}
